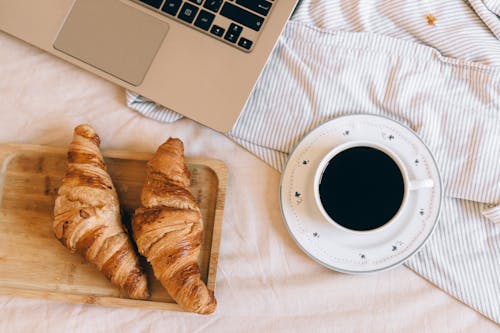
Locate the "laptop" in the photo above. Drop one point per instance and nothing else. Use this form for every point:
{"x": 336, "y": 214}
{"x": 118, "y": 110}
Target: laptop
{"x": 200, "y": 58}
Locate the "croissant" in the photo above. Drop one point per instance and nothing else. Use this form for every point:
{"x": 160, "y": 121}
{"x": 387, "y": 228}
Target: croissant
{"x": 87, "y": 216}
{"x": 168, "y": 229}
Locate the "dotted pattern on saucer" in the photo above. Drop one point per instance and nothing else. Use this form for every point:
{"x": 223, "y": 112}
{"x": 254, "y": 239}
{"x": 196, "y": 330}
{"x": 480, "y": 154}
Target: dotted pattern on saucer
{"x": 302, "y": 161}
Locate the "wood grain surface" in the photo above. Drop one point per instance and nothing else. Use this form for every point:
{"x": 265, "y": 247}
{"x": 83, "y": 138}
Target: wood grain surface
{"x": 34, "y": 264}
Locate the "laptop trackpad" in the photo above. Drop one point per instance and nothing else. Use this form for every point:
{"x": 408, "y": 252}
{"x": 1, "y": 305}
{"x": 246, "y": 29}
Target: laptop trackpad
{"x": 113, "y": 37}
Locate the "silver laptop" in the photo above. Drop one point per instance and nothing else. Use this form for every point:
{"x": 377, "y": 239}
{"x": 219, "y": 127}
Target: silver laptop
{"x": 200, "y": 58}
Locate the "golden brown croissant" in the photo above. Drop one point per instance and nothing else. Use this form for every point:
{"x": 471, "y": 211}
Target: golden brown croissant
{"x": 168, "y": 229}
{"x": 87, "y": 216}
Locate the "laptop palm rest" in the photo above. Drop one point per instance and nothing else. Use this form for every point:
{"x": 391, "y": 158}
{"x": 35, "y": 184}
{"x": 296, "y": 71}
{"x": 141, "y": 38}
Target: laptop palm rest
{"x": 113, "y": 37}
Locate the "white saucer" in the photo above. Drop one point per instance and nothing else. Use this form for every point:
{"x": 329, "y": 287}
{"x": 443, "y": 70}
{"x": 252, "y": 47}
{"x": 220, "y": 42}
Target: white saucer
{"x": 358, "y": 252}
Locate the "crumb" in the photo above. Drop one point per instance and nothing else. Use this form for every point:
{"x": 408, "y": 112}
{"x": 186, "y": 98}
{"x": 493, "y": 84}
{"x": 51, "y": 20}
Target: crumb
{"x": 431, "y": 19}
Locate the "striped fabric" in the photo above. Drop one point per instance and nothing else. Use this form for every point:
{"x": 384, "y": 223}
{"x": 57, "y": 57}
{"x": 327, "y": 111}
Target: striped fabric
{"x": 460, "y": 29}
{"x": 462, "y": 257}
{"x": 151, "y": 109}
{"x": 449, "y": 94}
{"x": 489, "y": 11}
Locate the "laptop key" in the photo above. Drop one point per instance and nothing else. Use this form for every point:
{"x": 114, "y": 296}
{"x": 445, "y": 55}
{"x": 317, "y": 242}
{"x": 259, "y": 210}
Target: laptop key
{"x": 259, "y": 6}
{"x": 245, "y": 43}
{"x": 204, "y": 20}
{"x": 217, "y": 31}
{"x": 188, "y": 12}
{"x": 235, "y": 28}
{"x": 153, "y": 3}
{"x": 172, "y": 7}
{"x": 241, "y": 16}
{"x": 202, "y": 14}
{"x": 233, "y": 33}
{"x": 213, "y": 5}
{"x": 231, "y": 37}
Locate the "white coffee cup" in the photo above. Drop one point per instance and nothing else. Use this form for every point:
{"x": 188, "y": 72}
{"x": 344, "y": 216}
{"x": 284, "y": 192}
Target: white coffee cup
{"x": 410, "y": 185}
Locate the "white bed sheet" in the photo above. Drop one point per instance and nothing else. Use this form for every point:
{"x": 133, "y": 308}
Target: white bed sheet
{"x": 264, "y": 282}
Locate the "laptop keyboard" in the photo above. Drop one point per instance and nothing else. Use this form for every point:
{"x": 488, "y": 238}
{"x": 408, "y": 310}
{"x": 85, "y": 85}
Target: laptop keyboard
{"x": 235, "y": 22}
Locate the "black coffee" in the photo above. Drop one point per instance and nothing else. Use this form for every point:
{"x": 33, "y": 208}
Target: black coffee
{"x": 362, "y": 188}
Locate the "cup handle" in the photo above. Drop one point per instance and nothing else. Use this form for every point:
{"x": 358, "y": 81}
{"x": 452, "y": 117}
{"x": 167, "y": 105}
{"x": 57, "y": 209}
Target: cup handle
{"x": 419, "y": 184}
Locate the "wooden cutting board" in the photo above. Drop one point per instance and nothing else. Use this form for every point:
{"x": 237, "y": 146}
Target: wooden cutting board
{"x": 32, "y": 261}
